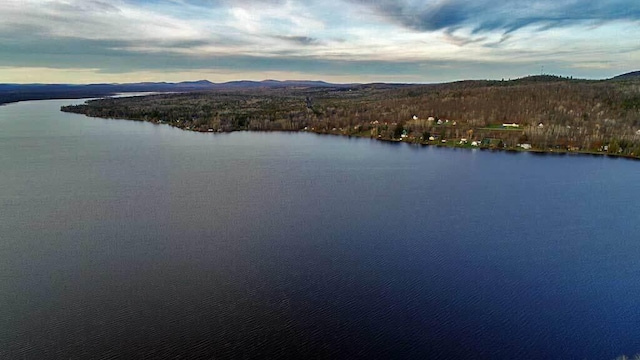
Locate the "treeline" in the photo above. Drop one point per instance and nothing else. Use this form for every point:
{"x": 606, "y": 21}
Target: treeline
{"x": 549, "y": 112}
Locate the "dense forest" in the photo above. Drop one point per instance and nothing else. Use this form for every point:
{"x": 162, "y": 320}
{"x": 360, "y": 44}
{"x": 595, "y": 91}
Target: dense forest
{"x": 545, "y": 113}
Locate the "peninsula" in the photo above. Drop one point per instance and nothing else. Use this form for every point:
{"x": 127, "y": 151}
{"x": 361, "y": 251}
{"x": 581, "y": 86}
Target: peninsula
{"x": 537, "y": 113}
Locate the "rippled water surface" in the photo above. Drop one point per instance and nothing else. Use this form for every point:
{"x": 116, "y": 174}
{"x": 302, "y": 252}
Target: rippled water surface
{"x": 123, "y": 239}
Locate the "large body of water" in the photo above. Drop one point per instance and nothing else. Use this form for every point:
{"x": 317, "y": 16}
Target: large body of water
{"x": 123, "y": 239}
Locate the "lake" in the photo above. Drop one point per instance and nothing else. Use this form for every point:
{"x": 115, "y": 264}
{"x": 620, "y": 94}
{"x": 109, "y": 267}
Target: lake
{"x": 122, "y": 239}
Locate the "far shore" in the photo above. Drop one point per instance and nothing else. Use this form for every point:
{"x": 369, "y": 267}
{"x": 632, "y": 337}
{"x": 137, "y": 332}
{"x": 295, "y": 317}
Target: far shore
{"x": 451, "y": 144}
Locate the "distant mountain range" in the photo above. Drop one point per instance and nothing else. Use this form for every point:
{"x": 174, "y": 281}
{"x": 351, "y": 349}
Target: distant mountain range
{"x": 162, "y": 86}
{"x": 21, "y": 92}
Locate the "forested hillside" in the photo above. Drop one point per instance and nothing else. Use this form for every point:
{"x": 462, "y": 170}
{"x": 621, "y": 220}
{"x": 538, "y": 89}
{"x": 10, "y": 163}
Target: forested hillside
{"x": 544, "y": 112}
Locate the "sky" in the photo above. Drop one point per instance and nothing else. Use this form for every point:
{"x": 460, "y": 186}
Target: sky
{"x": 408, "y": 41}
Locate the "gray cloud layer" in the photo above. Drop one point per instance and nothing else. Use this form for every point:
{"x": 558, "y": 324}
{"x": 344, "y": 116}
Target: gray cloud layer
{"x": 507, "y": 16}
{"x": 123, "y": 36}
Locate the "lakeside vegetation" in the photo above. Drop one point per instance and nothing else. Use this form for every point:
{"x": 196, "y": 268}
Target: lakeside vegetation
{"x": 538, "y": 113}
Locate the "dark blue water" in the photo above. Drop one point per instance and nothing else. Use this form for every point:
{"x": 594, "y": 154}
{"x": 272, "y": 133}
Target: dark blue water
{"x": 123, "y": 239}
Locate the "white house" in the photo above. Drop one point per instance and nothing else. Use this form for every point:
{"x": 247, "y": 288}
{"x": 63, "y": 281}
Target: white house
{"x": 512, "y": 125}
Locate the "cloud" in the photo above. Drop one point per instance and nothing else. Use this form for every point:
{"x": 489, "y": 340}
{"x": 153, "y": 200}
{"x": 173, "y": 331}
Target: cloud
{"x": 299, "y": 40}
{"x": 116, "y": 20}
{"x": 428, "y": 39}
{"x": 505, "y": 16}
{"x": 462, "y": 40}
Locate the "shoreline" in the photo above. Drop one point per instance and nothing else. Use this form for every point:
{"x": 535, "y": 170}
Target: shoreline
{"x": 552, "y": 152}
{"x": 421, "y": 143}
{"x": 5, "y": 101}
